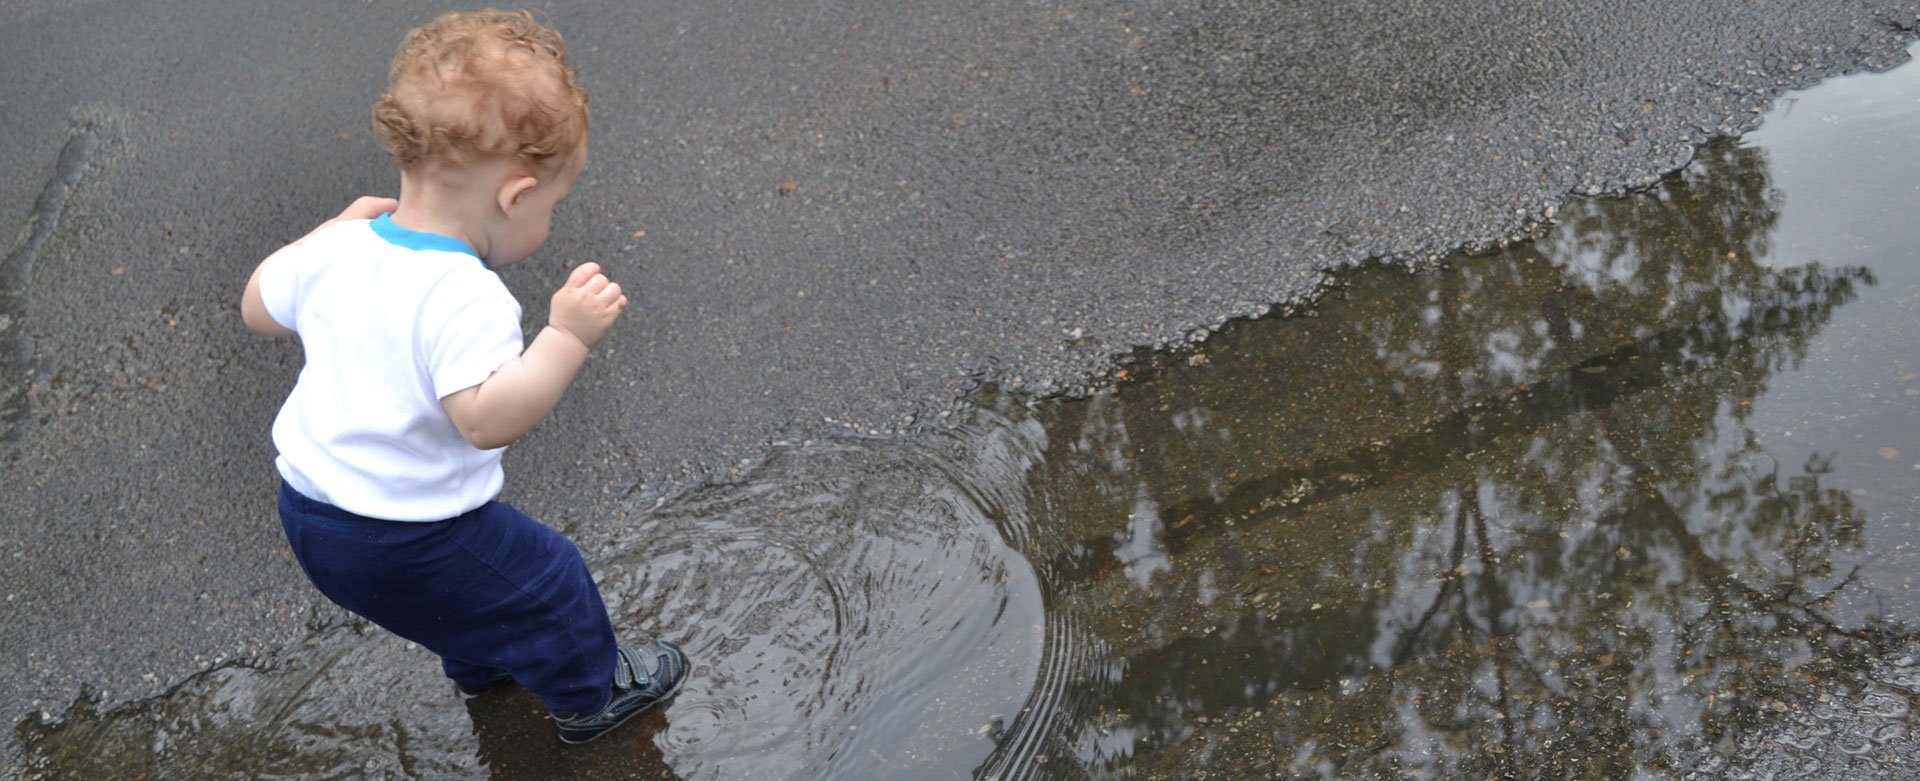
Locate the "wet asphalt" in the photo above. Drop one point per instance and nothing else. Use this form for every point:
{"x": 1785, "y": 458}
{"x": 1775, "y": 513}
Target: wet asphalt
{"x": 834, "y": 218}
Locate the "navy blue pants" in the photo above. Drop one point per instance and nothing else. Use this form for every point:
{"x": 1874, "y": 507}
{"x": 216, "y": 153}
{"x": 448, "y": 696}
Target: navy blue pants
{"x": 488, "y": 590}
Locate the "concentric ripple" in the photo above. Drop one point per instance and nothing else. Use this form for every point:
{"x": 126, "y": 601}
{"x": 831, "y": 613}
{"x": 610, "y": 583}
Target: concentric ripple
{"x": 850, "y": 614}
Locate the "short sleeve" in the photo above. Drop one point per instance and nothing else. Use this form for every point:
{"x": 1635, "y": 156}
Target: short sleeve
{"x": 473, "y": 327}
{"x": 280, "y": 283}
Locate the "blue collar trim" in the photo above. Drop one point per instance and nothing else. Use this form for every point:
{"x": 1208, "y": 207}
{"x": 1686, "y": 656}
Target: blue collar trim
{"x": 384, "y": 227}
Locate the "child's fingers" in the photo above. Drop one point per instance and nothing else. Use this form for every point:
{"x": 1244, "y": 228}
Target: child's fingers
{"x": 367, "y": 207}
{"x": 582, "y": 273}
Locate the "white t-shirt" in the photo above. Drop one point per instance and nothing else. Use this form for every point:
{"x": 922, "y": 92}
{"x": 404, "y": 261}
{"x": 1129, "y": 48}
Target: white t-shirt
{"x": 392, "y": 321}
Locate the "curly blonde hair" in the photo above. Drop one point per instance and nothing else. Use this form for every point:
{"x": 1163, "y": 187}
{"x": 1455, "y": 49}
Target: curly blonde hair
{"x": 486, "y": 85}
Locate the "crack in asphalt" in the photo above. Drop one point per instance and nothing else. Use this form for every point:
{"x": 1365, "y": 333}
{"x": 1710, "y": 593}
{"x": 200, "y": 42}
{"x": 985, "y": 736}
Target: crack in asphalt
{"x": 16, "y": 350}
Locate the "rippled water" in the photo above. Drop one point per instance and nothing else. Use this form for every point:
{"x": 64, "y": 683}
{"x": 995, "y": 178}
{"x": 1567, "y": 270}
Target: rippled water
{"x": 1635, "y": 499}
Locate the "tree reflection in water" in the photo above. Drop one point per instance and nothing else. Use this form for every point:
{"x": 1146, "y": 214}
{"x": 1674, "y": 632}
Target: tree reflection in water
{"x": 1505, "y": 518}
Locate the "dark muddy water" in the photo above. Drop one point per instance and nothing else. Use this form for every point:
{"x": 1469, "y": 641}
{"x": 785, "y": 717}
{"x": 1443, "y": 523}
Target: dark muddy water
{"x": 1634, "y": 499}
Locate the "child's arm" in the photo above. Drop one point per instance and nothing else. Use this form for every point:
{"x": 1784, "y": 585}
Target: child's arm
{"x": 521, "y": 392}
{"x": 253, "y": 310}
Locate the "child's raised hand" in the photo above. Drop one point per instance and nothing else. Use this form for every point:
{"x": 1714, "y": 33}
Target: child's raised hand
{"x": 586, "y": 305}
{"x": 367, "y": 207}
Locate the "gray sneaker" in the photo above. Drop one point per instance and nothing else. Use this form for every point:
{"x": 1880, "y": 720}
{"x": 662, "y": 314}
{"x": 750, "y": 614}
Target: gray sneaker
{"x": 636, "y": 687}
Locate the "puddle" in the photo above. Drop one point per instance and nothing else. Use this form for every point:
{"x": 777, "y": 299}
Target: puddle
{"x": 1634, "y": 499}
{"x": 849, "y": 610}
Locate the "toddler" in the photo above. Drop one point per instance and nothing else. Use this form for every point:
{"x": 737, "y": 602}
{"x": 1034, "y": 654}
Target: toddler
{"x": 416, "y": 379}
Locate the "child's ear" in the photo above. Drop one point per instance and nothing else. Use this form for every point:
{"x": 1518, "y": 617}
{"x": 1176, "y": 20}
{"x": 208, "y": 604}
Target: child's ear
{"x": 512, "y": 190}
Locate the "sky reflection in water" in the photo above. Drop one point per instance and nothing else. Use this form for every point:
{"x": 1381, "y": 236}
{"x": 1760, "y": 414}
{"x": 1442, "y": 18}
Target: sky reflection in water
{"x": 1537, "y": 513}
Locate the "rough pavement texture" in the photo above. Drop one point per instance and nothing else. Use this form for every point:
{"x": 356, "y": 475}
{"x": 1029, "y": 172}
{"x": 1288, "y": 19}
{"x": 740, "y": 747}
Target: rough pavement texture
{"x": 832, "y": 215}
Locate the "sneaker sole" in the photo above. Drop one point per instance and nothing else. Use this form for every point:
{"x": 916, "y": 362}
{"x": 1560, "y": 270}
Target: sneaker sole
{"x": 684, "y": 675}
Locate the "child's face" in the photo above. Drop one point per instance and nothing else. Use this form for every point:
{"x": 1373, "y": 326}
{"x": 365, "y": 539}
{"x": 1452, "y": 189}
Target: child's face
{"x": 527, "y": 228}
